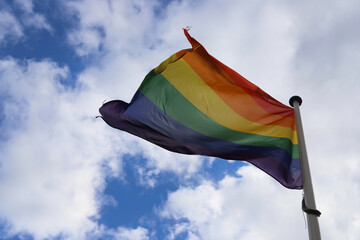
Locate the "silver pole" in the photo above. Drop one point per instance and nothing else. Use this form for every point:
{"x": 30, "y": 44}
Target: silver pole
{"x": 312, "y": 219}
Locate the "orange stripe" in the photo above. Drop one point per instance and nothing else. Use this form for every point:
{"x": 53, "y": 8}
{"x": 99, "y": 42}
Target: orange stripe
{"x": 232, "y": 94}
{"x": 268, "y": 103}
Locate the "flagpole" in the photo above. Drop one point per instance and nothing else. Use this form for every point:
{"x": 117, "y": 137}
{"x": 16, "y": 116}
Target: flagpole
{"x": 309, "y": 205}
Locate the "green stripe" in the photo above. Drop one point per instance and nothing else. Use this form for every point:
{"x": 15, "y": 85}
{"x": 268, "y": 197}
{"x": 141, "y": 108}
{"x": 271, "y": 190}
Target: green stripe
{"x": 163, "y": 94}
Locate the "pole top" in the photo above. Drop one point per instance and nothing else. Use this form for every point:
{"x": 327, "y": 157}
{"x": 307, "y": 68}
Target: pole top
{"x": 295, "y": 99}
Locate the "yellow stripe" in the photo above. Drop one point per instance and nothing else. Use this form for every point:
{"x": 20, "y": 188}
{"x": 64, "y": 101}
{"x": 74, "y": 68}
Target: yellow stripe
{"x": 189, "y": 84}
{"x": 171, "y": 59}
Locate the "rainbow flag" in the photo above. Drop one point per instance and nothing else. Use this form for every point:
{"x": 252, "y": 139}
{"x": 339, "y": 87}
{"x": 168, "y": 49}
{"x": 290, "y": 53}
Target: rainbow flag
{"x": 193, "y": 104}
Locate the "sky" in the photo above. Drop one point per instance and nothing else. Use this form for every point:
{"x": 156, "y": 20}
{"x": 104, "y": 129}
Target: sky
{"x": 65, "y": 174}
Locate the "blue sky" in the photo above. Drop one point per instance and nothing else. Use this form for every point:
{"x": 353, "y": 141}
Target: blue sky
{"x": 66, "y": 175}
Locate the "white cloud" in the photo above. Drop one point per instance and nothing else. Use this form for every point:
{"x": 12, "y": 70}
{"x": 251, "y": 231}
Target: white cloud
{"x": 257, "y": 207}
{"x": 86, "y": 41}
{"x": 52, "y": 151}
{"x": 29, "y": 17}
{"x": 338, "y": 185}
{"x": 159, "y": 160}
{"x": 251, "y": 207}
{"x": 25, "y": 5}
{"x": 130, "y": 234}
{"x": 12, "y": 27}
{"x": 117, "y": 25}
{"x": 122, "y": 233}
{"x": 38, "y": 21}
{"x": 9, "y": 26}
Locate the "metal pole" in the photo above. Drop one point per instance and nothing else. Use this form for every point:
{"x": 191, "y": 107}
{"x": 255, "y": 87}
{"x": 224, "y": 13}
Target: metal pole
{"x": 312, "y": 219}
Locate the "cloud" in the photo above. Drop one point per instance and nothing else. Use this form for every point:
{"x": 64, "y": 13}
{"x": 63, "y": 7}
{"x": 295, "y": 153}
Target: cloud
{"x": 159, "y": 160}
{"x": 31, "y": 18}
{"x": 111, "y": 25}
{"x": 86, "y": 41}
{"x": 130, "y": 234}
{"x": 102, "y": 232}
{"x": 37, "y": 21}
{"x": 12, "y": 27}
{"x": 26, "y": 6}
{"x": 252, "y": 206}
{"x": 9, "y": 27}
{"x": 53, "y": 152}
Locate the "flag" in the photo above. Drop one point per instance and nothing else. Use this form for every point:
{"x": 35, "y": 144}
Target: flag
{"x": 194, "y": 104}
